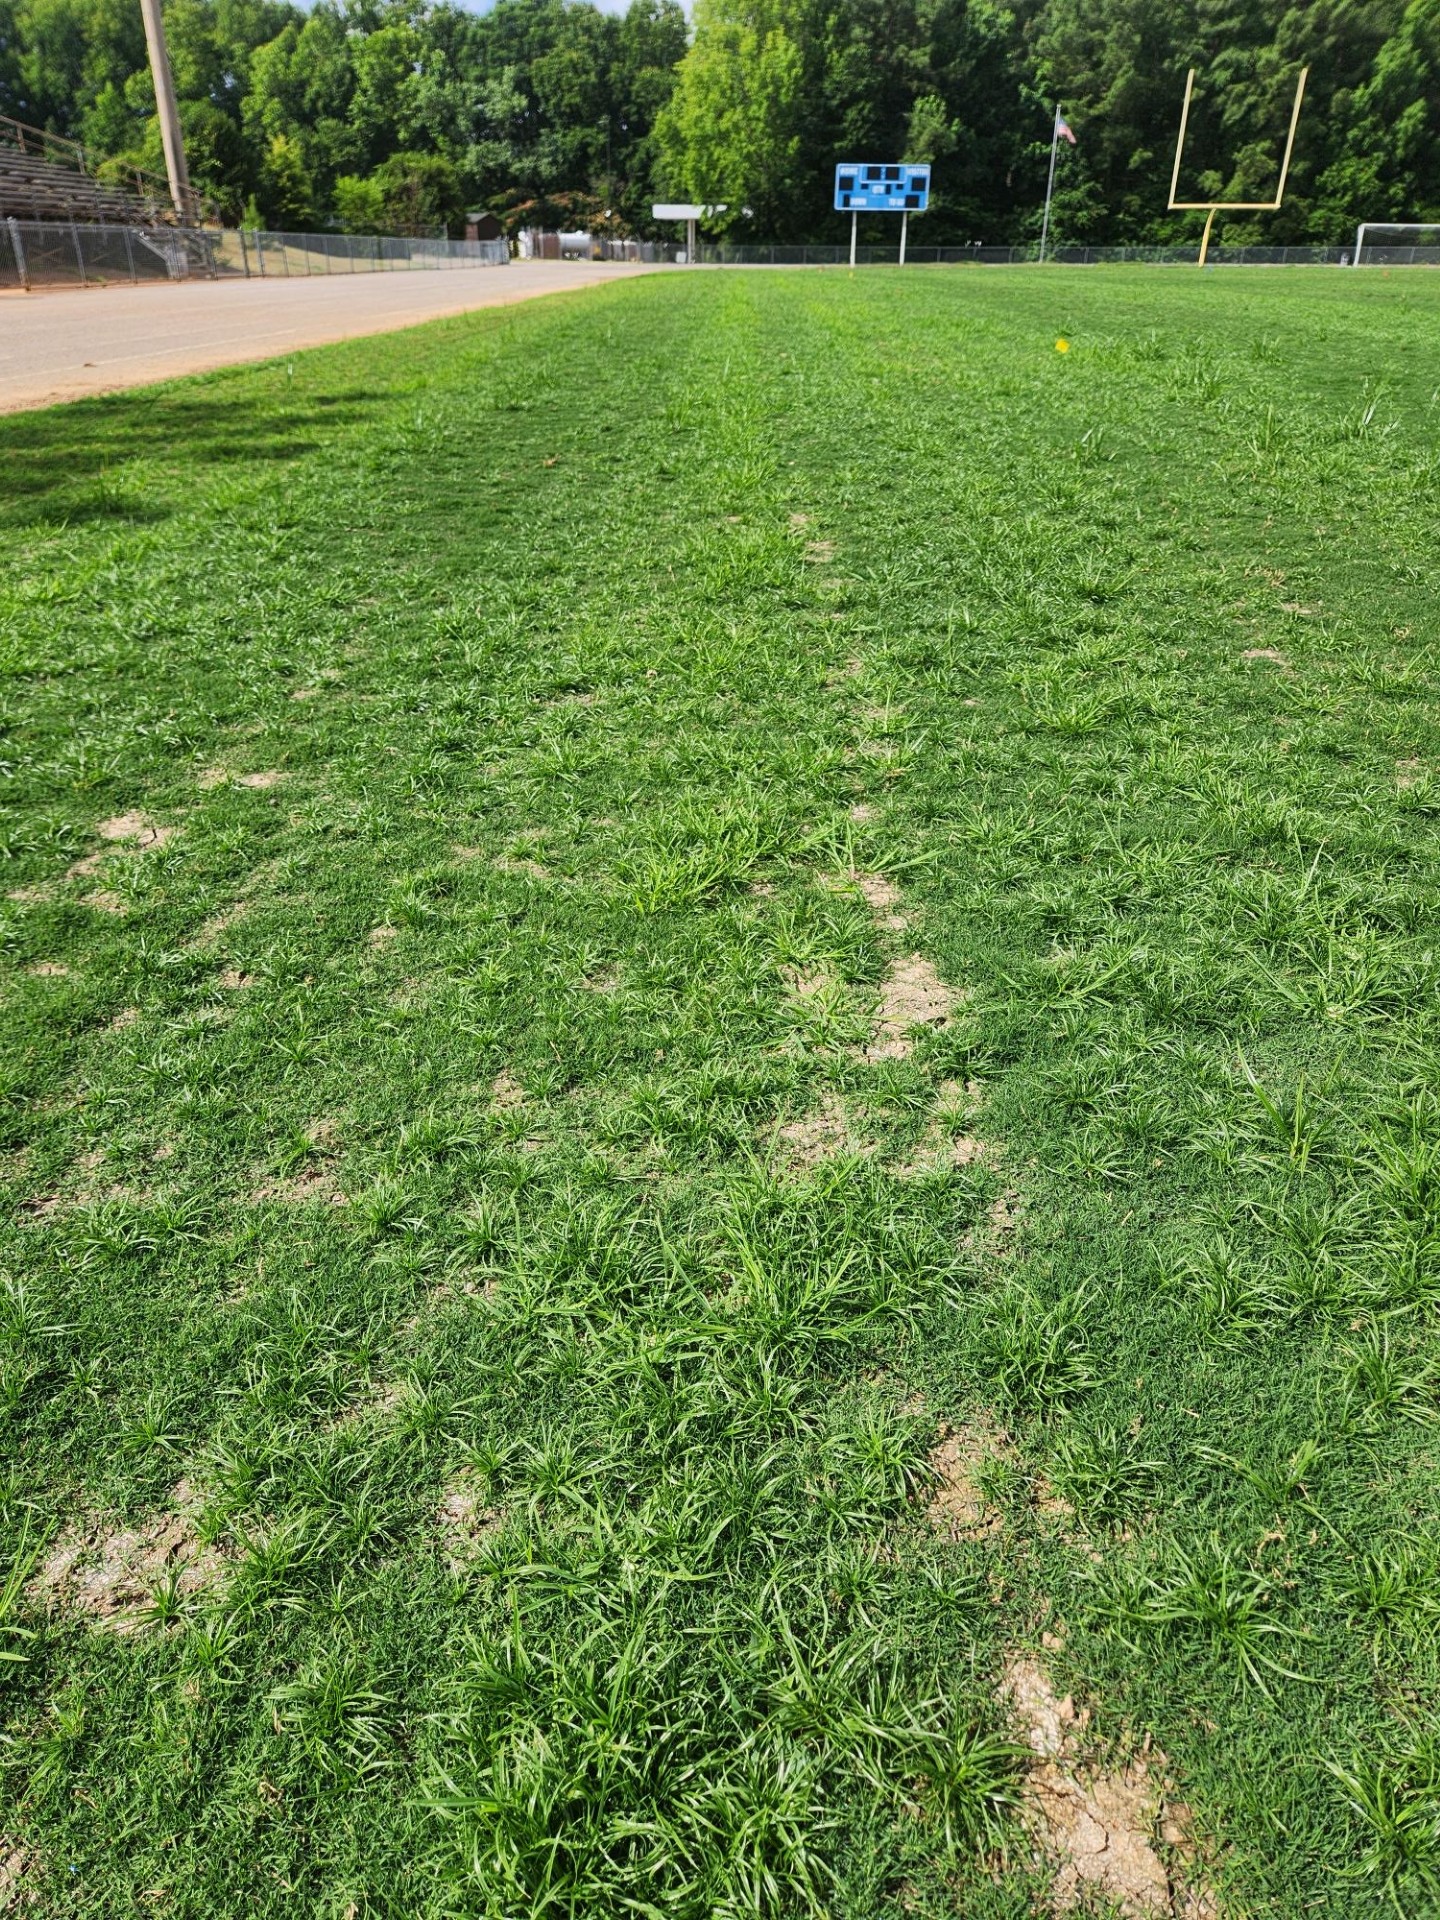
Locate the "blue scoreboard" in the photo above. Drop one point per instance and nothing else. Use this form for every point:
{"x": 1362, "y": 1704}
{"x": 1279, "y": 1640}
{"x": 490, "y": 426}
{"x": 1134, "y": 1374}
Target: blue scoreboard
{"x": 863, "y": 187}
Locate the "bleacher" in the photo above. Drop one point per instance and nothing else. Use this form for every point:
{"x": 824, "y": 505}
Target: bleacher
{"x": 43, "y": 177}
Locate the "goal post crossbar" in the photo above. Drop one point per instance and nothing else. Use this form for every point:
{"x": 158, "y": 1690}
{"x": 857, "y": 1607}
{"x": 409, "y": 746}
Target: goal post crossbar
{"x": 1397, "y": 227}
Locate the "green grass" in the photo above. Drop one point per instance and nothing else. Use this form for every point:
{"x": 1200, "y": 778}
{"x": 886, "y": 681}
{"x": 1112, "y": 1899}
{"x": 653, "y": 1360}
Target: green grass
{"x": 564, "y": 1493}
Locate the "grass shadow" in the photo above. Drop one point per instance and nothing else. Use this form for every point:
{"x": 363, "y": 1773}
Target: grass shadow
{"x": 70, "y": 462}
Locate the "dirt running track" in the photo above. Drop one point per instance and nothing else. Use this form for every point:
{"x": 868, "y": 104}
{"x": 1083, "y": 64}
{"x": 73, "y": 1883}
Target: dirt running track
{"x": 67, "y": 344}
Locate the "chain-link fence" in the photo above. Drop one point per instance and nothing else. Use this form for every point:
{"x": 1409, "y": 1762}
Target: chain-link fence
{"x": 35, "y": 253}
{"x": 556, "y": 246}
{"x": 276, "y": 255}
{"x": 1183, "y": 255}
{"x": 1387, "y": 253}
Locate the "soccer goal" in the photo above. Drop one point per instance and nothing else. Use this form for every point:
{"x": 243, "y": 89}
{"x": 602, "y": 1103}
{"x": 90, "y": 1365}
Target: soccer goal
{"x": 1386, "y": 243}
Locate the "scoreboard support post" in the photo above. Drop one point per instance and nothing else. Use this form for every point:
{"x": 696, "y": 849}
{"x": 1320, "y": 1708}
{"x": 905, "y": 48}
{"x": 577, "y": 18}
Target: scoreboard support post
{"x": 854, "y": 222}
{"x": 904, "y": 223}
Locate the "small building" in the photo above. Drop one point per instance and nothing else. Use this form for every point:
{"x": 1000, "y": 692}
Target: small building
{"x": 482, "y": 225}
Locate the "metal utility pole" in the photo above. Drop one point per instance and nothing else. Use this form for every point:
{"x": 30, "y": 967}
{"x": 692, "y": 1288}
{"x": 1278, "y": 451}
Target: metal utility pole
{"x": 169, "y": 112}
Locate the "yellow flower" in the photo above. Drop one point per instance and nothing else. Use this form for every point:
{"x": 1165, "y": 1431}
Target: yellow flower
{"x": 1062, "y": 346}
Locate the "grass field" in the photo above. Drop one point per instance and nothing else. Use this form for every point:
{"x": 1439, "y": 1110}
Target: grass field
{"x": 722, "y": 1126}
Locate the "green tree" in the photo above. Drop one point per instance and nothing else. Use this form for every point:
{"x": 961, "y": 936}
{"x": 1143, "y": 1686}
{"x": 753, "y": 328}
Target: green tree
{"x": 555, "y": 105}
{"x": 1388, "y": 166}
{"x": 420, "y": 193}
{"x": 302, "y": 84}
{"x": 286, "y": 194}
{"x": 359, "y": 204}
{"x": 13, "y": 100}
{"x": 732, "y": 130}
{"x": 929, "y": 133}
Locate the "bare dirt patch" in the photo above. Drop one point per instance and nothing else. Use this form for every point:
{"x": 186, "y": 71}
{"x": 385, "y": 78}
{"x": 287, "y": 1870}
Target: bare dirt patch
{"x": 232, "y": 979}
{"x": 466, "y": 1522}
{"x": 1272, "y": 654}
{"x": 824, "y": 1134}
{"x": 271, "y": 777}
{"x": 83, "y": 1191}
{"x": 991, "y": 1239}
{"x": 942, "y": 1147}
{"x": 109, "y": 1574}
{"x": 958, "y": 1507}
{"x": 1101, "y": 1829}
{"x": 506, "y": 1092}
{"x": 209, "y": 931}
{"x": 802, "y": 983}
{"x": 126, "y": 833}
{"x": 471, "y": 1287}
{"x": 381, "y": 1402}
{"x": 862, "y": 813}
{"x": 103, "y": 900}
{"x": 211, "y": 777}
{"x": 315, "y": 1185}
{"x": 136, "y": 827}
{"x": 1408, "y": 772}
{"x": 1002, "y": 1217}
{"x": 49, "y": 970}
{"x": 799, "y": 519}
{"x": 819, "y": 551}
{"x": 853, "y": 669}
{"x": 883, "y": 897}
{"x": 912, "y": 995}
{"x": 379, "y": 935}
{"x": 19, "y": 1876}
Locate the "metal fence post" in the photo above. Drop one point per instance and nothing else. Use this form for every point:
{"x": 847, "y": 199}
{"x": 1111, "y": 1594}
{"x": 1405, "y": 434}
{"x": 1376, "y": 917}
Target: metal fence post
{"x": 19, "y": 246}
{"x": 130, "y": 255}
{"x": 79, "y": 253}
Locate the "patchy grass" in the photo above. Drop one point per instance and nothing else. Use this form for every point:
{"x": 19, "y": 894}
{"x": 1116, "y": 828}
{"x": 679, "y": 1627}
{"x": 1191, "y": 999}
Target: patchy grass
{"x": 697, "y": 1132}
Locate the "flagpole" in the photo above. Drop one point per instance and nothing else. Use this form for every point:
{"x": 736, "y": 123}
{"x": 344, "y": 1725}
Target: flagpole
{"x": 1050, "y": 183}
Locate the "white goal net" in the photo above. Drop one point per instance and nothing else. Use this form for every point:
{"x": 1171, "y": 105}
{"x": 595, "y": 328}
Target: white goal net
{"x": 1382, "y": 243}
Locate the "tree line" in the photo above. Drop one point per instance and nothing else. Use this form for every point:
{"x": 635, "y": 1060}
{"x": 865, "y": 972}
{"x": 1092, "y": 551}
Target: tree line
{"x": 398, "y": 115}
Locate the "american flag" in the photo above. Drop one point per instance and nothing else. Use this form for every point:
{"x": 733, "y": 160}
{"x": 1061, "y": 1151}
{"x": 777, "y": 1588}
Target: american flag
{"x": 1064, "y": 131}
